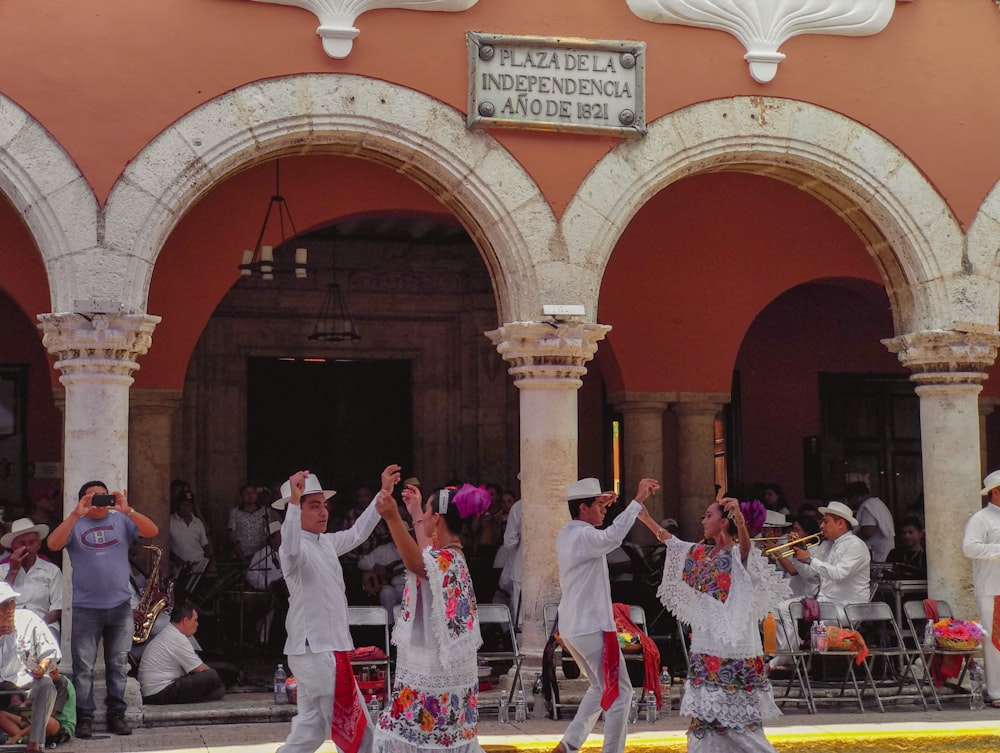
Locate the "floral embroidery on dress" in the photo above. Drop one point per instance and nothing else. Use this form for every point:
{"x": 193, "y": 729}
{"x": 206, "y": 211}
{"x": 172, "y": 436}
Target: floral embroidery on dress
{"x": 710, "y": 575}
{"x": 431, "y": 720}
{"x": 459, "y": 602}
{"x": 730, "y": 675}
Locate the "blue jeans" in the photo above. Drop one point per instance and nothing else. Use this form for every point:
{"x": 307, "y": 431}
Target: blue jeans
{"x": 116, "y": 626}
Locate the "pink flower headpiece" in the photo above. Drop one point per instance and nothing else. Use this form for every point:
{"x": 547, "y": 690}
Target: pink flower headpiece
{"x": 470, "y": 500}
{"x": 754, "y": 513}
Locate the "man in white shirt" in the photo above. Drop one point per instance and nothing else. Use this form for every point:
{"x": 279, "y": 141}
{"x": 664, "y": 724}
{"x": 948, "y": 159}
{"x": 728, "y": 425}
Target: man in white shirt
{"x": 39, "y": 583}
{"x": 875, "y": 524}
{"x": 585, "y": 612}
{"x": 317, "y": 613}
{"x": 842, "y": 561}
{"x": 382, "y": 572}
{"x": 189, "y": 542}
{"x": 981, "y": 544}
{"x": 27, "y": 654}
{"x": 170, "y": 670}
{"x": 510, "y": 576}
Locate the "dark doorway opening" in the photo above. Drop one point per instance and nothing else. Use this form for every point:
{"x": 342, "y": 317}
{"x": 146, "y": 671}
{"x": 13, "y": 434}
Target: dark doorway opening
{"x": 342, "y": 420}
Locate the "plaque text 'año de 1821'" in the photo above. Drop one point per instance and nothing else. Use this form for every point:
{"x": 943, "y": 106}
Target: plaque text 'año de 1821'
{"x": 548, "y": 83}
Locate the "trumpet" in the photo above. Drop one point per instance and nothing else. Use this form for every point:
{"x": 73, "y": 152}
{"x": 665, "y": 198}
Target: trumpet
{"x": 805, "y": 542}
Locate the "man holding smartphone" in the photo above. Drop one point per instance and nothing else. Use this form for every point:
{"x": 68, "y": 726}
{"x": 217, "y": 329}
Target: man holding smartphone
{"x": 97, "y": 535}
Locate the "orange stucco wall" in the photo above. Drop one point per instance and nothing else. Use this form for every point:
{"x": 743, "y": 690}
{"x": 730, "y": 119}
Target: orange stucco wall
{"x": 106, "y": 76}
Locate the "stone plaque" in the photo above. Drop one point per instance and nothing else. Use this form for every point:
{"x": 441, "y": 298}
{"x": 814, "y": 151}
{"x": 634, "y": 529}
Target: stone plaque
{"x": 556, "y": 84}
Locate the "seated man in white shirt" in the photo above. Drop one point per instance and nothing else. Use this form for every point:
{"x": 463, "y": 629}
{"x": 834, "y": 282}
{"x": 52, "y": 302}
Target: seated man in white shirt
{"x": 170, "y": 670}
{"x": 27, "y": 654}
{"x": 38, "y": 582}
{"x": 382, "y": 571}
{"x": 842, "y": 562}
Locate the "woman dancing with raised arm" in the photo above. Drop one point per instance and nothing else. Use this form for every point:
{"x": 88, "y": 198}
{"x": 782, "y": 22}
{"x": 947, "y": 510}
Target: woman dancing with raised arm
{"x": 435, "y": 692}
{"x": 722, "y": 589}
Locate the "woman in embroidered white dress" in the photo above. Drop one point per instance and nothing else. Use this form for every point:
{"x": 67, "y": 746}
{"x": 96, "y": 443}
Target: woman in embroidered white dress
{"x": 435, "y": 691}
{"x": 722, "y": 590}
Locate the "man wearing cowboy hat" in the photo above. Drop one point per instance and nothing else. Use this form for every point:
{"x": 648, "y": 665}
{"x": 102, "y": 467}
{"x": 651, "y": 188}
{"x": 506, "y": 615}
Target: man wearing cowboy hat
{"x": 318, "y": 634}
{"x": 842, "y": 561}
{"x": 39, "y": 583}
{"x": 586, "y": 616}
{"x": 27, "y": 653}
{"x": 981, "y": 544}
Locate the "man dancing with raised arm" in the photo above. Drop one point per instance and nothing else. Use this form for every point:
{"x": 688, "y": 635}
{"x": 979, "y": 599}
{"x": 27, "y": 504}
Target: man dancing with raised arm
{"x": 318, "y": 635}
{"x": 586, "y": 617}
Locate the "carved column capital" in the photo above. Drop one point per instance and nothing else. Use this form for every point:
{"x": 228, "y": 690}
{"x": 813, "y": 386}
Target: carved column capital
{"x": 946, "y": 356}
{"x": 652, "y": 402}
{"x": 700, "y": 402}
{"x": 105, "y": 344}
{"x": 547, "y": 356}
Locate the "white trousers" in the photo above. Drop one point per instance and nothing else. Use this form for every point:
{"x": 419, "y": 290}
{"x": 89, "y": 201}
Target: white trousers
{"x": 316, "y": 676}
{"x": 588, "y": 651}
{"x": 990, "y": 652}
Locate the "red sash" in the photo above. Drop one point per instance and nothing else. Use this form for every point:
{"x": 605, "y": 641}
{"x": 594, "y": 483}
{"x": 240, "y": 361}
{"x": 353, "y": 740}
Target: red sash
{"x": 349, "y": 720}
{"x": 995, "y": 631}
{"x": 611, "y": 666}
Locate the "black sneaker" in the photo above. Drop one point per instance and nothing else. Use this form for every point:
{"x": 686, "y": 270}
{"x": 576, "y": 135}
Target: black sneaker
{"x": 84, "y": 729}
{"x": 118, "y": 726}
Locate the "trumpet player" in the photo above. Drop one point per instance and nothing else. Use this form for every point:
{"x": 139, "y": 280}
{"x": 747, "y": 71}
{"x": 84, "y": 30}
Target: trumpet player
{"x": 842, "y": 564}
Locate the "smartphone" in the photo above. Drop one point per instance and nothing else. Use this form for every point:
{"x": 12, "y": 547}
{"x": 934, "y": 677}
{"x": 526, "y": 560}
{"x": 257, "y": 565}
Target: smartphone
{"x": 103, "y": 500}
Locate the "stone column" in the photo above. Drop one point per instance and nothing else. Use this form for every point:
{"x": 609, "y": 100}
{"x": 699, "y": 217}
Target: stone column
{"x": 96, "y": 356}
{"x": 949, "y": 368}
{"x": 696, "y": 412}
{"x": 547, "y": 363}
{"x": 642, "y": 448}
{"x": 151, "y": 418}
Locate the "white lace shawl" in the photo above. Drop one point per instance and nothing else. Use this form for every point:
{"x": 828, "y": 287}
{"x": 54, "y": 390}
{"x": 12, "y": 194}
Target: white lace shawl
{"x": 453, "y": 650}
{"x": 725, "y": 629}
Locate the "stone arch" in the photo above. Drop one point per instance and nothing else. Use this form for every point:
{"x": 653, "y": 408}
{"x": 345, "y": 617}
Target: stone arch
{"x": 421, "y": 137}
{"x": 906, "y": 225}
{"x": 983, "y": 239}
{"x": 55, "y": 200}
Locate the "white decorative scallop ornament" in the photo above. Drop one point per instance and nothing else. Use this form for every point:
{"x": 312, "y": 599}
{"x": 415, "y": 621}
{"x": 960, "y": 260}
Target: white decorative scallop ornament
{"x": 337, "y": 17}
{"x": 762, "y": 26}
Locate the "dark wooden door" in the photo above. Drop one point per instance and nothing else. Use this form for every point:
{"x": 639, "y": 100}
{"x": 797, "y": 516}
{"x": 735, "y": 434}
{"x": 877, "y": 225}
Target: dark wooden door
{"x": 871, "y": 432}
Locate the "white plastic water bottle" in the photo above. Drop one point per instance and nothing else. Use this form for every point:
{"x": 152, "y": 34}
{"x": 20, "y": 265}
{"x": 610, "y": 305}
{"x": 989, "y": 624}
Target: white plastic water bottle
{"x": 280, "y": 692}
{"x": 975, "y": 686}
{"x": 665, "y": 684}
{"x": 537, "y": 698}
{"x": 651, "y": 707}
{"x": 520, "y": 707}
{"x": 633, "y": 709}
{"x": 504, "y": 713}
{"x": 929, "y": 635}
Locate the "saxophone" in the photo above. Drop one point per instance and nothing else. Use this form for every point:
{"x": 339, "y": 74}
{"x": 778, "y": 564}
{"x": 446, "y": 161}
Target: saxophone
{"x": 153, "y": 599}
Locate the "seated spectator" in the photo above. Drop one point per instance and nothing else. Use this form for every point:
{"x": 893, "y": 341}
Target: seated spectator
{"x": 189, "y": 544}
{"x": 39, "y": 583}
{"x": 27, "y": 654}
{"x": 382, "y": 571}
{"x": 249, "y": 525}
{"x": 910, "y": 560}
{"x": 874, "y": 526}
{"x": 774, "y": 499}
{"x": 170, "y": 670}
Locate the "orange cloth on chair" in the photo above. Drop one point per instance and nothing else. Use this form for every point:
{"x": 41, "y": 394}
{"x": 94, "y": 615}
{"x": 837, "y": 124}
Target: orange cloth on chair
{"x": 842, "y": 639}
{"x": 650, "y": 653}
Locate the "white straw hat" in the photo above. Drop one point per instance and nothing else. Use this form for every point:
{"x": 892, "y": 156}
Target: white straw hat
{"x": 23, "y": 525}
{"x": 585, "y": 488}
{"x": 312, "y": 486}
{"x": 841, "y": 510}
{"x": 990, "y": 482}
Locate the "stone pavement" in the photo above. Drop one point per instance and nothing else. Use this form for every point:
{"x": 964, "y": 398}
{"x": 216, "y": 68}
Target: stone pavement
{"x": 797, "y": 730}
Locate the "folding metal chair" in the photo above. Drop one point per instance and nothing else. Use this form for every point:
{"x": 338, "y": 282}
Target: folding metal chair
{"x": 916, "y": 618}
{"x": 877, "y": 624}
{"x": 800, "y": 670}
{"x": 374, "y": 616}
{"x": 499, "y": 614}
{"x": 828, "y": 614}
